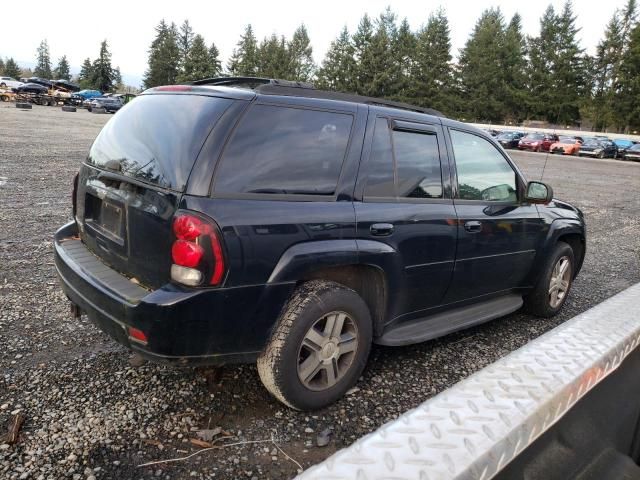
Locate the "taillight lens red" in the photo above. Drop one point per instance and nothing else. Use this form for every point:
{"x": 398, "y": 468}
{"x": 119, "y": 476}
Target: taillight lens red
{"x": 197, "y": 246}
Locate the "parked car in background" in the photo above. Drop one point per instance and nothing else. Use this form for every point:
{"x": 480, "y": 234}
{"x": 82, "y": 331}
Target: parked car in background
{"x": 31, "y": 88}
{"x": 282, "y": 226}
{"x": 537, "y": 142}
{"x": 66, "y": 85}
{"x": 632, "y": 153}
{"x": 509, "y": 139}
{"x": 623, "y": 145}
{"x": 41, "y": 81}
{"x": 88, "y": 94}
{"x": 598, "y": 147}
{"x": 9, "y": 82}
{"x": 566, "y": 146}
{"x": 492, "y": 131}
{"x": 110, "y": 104}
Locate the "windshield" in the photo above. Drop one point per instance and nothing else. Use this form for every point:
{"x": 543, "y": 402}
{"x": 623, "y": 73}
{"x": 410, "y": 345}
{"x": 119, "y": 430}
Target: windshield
{"x": 156, "y": 138}
{"x": 535, "y": 136}
{"x": 507, "y": 136}
{"x": 636, "y": 148}
{"x": 592, "y": 141}
{"x": 567, "y": 140}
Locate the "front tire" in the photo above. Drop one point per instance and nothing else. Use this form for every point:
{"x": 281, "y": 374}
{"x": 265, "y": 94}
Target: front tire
{"x": 319, "y": 347}
{"x": 552, "y": 289}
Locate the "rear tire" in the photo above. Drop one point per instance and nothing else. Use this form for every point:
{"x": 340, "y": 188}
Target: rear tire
{"x": 319, "y": 347}
{"x": 68, "y": 108}
{"x": 554, "y": 284}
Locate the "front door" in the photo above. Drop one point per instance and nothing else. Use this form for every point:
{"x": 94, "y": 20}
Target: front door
{"x": 498, "y": 234}
{"x": 407, "y": 205}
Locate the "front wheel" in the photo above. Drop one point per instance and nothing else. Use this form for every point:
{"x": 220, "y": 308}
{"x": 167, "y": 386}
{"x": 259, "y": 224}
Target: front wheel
{"x": 554, "y": 284}
{"x": 319, "y": 347}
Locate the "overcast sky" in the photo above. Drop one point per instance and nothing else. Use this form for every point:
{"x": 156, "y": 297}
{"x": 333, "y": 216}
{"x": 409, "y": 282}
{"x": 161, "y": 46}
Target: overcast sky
{"x": 129, "y": 25}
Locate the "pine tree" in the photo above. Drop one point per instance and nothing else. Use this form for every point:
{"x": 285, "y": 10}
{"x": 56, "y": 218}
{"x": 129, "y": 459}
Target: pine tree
{"x": 432, "y": 72}
{"x": 244, "y": 61}
{"x": 214, "y": 59}
{"x": 199, "y": 63}
{"x": 117, "y": 79}
{"x": 273, "y": 57}
{"x": 542, "y": 50}
{"x": 301, "y": 65}
{"x": 404, "y": 51}
{"x": 362, "y": 39}
{"x": 630, "y": 82}
{"x": 11, "y": 69}
{"x": 514, "y": 70}
{"x": 86, "y": 74}
{"x": 43, "y": 61}
{"x": 164, "y": 57}
{"x": 185, "y": 40}
{"x": 480, "y": 68}
{"x": 338, "y": 67}
{"x": 62, "y": 71}
{"x": 379, "y": 62}
{"x": 1, "y": 66}
{"x": 102, "y": 77}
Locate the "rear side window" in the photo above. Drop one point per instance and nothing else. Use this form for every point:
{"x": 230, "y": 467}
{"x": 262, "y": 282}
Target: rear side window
{"x": 284, "y": 150}
{"x": 156, "y": 138}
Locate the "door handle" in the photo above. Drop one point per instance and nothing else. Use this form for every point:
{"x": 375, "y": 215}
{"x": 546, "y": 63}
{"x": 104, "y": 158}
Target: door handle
{"x": 473, "y": 226}
{"x": 381, "y": 229}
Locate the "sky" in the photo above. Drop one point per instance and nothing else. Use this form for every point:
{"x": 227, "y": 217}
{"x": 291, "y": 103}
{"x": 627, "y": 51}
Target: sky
{"x": 128, "y": 26}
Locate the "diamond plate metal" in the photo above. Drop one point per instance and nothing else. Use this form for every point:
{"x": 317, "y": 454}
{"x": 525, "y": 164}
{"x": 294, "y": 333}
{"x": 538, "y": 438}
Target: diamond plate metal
{"x": 475, "y": 428}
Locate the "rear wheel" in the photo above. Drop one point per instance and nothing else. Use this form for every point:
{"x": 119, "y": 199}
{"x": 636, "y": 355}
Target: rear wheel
{"x": 554, "y": 284}
{"x": 601, "y": 155}
{"x": 319, "y": 347}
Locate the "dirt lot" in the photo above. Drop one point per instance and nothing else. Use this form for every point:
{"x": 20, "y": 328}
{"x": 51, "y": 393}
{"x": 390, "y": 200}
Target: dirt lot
{"x": 90, "y": 415}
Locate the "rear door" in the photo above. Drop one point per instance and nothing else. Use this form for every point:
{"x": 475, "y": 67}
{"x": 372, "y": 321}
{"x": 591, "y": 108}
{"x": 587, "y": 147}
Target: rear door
{"x": 498, "y": 234}
{"x": 406, "y": 204}
{"x": 133, "y": 178}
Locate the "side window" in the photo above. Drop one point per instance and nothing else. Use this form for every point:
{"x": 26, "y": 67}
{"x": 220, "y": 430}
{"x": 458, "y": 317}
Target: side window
{"x": 483, "y": 173}
{"x": 284, "y": 150}
{"x": 417, "y": 164}
{"x": 380, "y": 181}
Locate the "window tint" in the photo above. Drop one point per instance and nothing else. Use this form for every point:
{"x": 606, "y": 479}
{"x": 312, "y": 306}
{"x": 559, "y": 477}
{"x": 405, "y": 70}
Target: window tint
{"x": 380, "y": 181}
{"x": 285, "y": 150}
{"x": 483, "y": 173}
{"x": 417, "y": 165}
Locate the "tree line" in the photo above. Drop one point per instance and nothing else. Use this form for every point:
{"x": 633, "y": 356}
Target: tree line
{"x": 500, "y": 75}
{"x": 98, "y": 74}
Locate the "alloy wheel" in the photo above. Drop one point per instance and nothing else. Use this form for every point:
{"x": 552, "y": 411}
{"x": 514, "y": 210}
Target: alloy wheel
{"x": 327, "y": 351}
{"x": 560, "y": 280}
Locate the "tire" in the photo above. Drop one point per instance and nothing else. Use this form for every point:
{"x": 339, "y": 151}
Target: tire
{"x": 98, "y": 110}
{"x": 3, "y": 84}
{"x": 4, "y": 98}
{"x": 540, "y": 301}
{"x": 313, "y": 305}
{"x": 68, "y": 108}
{"x": 601, "y": 155}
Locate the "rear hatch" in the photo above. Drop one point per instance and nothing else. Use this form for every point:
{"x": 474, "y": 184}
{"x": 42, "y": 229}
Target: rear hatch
{"x": 130, "y": 185}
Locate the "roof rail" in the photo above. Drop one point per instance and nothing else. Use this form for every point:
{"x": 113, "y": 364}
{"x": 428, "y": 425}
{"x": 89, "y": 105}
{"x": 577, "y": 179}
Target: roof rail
{"x": 251, "y": 82}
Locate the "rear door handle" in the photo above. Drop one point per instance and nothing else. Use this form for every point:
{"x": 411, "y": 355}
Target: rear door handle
{"x": 381, "y": 229}
{"x": 473, "y": 226}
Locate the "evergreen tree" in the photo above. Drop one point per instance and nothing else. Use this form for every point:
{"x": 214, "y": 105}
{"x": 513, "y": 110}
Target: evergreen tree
{"x": 541, "y": 53}
{"x": 362, "y": 40}
{"x": 379, "y": 61}
{"x": 480, "y": 69}
{"x": 185, "y": 40}
{"x": 11, "y": 69}
{"x": 214, "y": 59}
{"x": 62, "y": 71}
{"x": 102, "y": 75}
{"x": 86, "y": 74}
{"x": 432, "y": 81}
{"x": 43, "y": 61}
{"x": 117, "y": 79}
{"x": 403, "y": 51}
{"x": 1, "y": 66}
{"x": 199, "y": 63}
{"x": 164, "y": 57}
{"x": 630, "y": 82}
{"x": 301, "y": 66}
{"x": 514, "y": 66}
{"x": 338, "y": 67}
{"x": 273, "y": 58}
{"x": 244, "y": 61}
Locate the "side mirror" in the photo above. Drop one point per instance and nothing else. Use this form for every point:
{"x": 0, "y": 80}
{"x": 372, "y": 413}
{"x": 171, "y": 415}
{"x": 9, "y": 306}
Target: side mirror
{"x": 538, "y": 192}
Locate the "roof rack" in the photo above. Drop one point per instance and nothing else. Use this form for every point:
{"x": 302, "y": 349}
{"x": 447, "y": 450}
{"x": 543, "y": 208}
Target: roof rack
{"x": 272, "y": 86}
{"x": 251, "y": 82}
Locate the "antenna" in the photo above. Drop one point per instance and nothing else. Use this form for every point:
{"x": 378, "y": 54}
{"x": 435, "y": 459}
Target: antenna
{"x": 546, "y": 158}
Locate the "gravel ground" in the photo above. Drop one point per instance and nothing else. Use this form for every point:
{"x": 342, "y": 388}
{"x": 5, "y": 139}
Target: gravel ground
{"x": 90, "y": 415}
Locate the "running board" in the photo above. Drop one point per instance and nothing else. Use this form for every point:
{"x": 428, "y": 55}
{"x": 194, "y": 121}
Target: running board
{"x": 433, "y": 326}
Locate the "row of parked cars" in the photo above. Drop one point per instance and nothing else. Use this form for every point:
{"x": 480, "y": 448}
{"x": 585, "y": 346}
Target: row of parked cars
{"x": 597, "y": 146}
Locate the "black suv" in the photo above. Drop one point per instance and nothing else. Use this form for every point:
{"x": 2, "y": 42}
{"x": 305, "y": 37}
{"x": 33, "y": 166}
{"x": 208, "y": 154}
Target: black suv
{"x": 294, "y": 227}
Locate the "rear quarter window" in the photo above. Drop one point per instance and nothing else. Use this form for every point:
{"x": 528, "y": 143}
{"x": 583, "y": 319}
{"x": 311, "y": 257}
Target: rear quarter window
{"x": 285, "y": 150}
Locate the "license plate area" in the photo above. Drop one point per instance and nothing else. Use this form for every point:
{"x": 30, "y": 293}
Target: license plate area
{"x": 106, "y": 218}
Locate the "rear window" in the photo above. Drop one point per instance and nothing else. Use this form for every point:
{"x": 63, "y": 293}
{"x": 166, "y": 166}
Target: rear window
{"x": 284, "y": 150}
{"x": 156, "y": 138}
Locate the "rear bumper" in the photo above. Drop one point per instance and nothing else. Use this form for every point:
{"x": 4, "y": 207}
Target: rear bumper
{"x": 184, "y": 326}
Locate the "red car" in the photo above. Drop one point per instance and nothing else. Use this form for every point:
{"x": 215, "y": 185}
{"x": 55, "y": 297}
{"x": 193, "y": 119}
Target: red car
{"x": 537, "y": 142}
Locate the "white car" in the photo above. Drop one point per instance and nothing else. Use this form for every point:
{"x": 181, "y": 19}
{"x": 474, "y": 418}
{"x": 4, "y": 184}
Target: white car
{"x": 9, "y": 82}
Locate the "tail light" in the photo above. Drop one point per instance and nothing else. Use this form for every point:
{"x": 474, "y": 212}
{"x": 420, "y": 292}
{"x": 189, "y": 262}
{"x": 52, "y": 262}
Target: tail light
{"x": 198, "y": 258}
{"x": 74, "y": 194}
